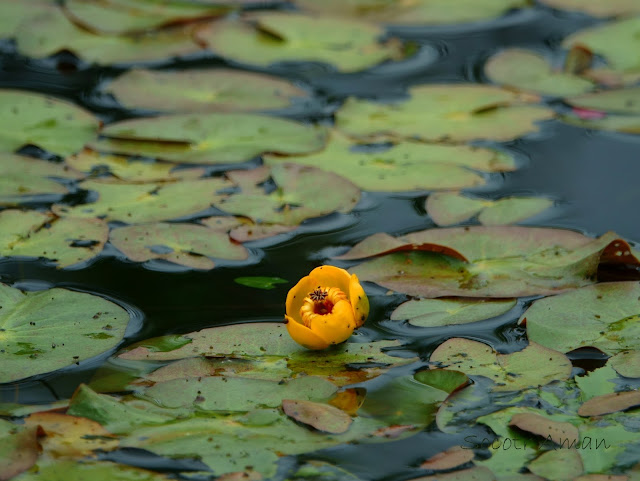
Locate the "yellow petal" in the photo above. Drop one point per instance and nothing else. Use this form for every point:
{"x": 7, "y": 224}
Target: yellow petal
{"x": 304, "y": 336}
{"x": 337, "y": 326}
{"x": 330, "y": 276}
{"x": 295, "y": 297}
{"x": 359, "y": 301}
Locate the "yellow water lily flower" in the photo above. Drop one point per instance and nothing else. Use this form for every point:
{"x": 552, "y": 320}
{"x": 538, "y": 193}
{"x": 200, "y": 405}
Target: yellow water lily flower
{"x": 325, "y": 307}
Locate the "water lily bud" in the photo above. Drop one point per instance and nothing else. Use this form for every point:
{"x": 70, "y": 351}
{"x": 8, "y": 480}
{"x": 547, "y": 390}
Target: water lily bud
{"x": 325, "y": 307}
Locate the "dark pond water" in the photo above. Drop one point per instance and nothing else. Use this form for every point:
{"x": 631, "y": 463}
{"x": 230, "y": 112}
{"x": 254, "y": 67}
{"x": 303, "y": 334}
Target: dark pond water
{"x": 592, "y": 175}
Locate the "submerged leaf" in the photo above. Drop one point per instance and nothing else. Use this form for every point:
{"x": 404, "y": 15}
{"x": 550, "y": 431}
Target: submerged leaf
{"x": 47, "y": 330}
{"x": 279, "y": 37}
{"x": 260, "y": 282}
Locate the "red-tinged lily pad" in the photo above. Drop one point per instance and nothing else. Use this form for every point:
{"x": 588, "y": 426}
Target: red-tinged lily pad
{"x": 487, "y": 261}
{"x": 618, "y": 42}
{"x": 138, "y": 203}
{"x": 268, "y": 38}
{"x": 610, "y": 403}
{"x": 556, "y": 431}
{"x": 449, "y": 459}
{"x": 597, "y": 8}
{"x": 534, "y": 366}
{"x": 130, "y": 170}
{"x": 320, "y": 416}
{"x": 82, "y": 470}
{"x": 19, "y": 449}
{"x": 604, "y": 316}
{"x": 47, "y": 330}
{"x": 405, "y": 165}
{"x": 303, "y": 192}
{"x": 210, "y": 138}
{"x": 185, "y": 244}
{"x": 34, "y": 119}
{"x": 560, "y": 465}
{"x": 526, "y": 70}
{"x": 126, "y": 16}
{"x": 22, "y": 178}
{"x": 49, "y": 32}
{"x": 202, "y": 91}
{"x": 445, "y": 113}
{"x": 626, "y": 363}
{"x": 623, "y": 101}
{"x": 446, "y": 312}
{"x": 418, "y": 12}
{"x": 447, "y": 208}
{"x": 64, "y": 241}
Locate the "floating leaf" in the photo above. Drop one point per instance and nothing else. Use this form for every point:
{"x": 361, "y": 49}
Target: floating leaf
{"x": 596, "y": 382}
{"x": 22, "y": 177}
{"x": 33, "y": 119}
{"x": 626, "y": 363}
{"x": 604, "y": 316}
{"x": 500, "y": 261}
{"x": 302, "y": 193}
{"x": 49, "y": 32}
{"x": 130, "y": 170}
{"x": 251, "y": 232}
{"x": 623, "y": 101}
{"x": 185, "y": 244}
{"x": 618, "y": 42}
{"x": 526, "y": 70}
{"x": 47, "y": 330}
{"x": 419, "y": 12}
{"x": 610, "y": 403}
{"x": 477, "y": 473}
{"x": 405, "y": 165}
{"x": 449, "y": 459}
{"x": 534, "y": 366}
{"x": 19, "y": 449}
{"x": 452, "y": 113}
{"x": 443, "y": 379}
{"x": 280, "y": 37}
{"x": 446, "y": 208}
{"x": 202, "y": 91}
{"x": 14, "y": 14}
{"x": 125, "y": 16}
{"x": 596, "y": 8}
{"x": 605, "y": 443}
{"x": 62, "y": 240}
{"x": 446, "y": 312}
{"x": 617, "y": 123}
{"x": 138, "y": 203}
{"x": 558, "y": 432}
{"x": 210, "y": 138}
{"x": 561, "y": 465}
{"x": 322, "y": 417}
{"x": 260, "y": 282}
{"x": 74, "y": 470}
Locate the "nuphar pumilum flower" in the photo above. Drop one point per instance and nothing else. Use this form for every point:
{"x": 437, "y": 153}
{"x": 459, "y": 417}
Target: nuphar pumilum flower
{"x": 325, "y": 307}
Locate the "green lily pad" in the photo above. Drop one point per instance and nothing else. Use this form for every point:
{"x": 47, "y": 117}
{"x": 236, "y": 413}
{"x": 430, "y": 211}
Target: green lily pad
{"x": 302, "y": 193}
{"x": 604, "y": 443}
{"x": 47, "y": 330}
{"x": 446, "y": 312}
{"x": 33, "y": 119}
{"x": 138, "y": 203}
{"x": 444, "y": 379}
{"x": 526, "y": 70}
{"x": 320, "y": 416}
{"x": 604, "y": 316}
{"x": 19, "y": 449}
{"x": 596, "y": 8}
{"x": 279, "y": 37}
{"x": 562, "y": 465}
{"x": 125, "y": 16}
{"x": 626, "y": 363}
{"x": 534, "y": 366}
{"x": 49, "y": 32}
{"x": 405, "y": 165}
{"x": 617, "y": 123}
{"x": 75, "y": 470}
{"x": 130, "y": 170}
{"x": 451, "y": 113}
{"x": 65, "y": 241}
{"x": 447, "y": 208}
{"x": 260, "y": 282}
{"x": 419, "y": 12}
{"x": 623, "y": 101}
{"x": 210, "y": 138}
{"x": 22, "y": 177}
{"x": 597, "y": 382}
{"x": 487, "y": 261}
{"x": 618, "y": 42}
{"x": 202, "y": 91}
{"x": 185, "y": 244}
{"x": 15, "y": 13}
